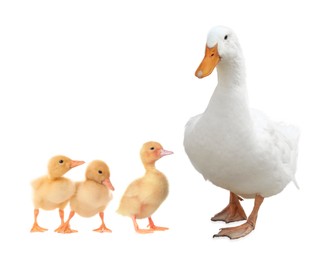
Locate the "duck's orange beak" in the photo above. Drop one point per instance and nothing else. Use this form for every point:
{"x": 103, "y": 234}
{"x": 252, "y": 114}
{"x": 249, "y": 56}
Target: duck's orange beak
{"x": 209, "y": 62}
{"x": 76, "y": 163}
{"x": 108, "y": 184}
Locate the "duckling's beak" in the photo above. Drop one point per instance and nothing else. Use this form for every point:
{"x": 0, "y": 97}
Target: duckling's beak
{"x": 164, "y": 152}
{"x": 209, "y": 62}
{"x": 76, "y": 163}
{"x": 108, "y": 184}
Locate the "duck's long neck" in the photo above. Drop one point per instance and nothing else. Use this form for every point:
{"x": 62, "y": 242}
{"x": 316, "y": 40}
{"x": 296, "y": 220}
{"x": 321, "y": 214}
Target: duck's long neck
{"x": 229, "y": 102}
{"x": 232, "y": 74}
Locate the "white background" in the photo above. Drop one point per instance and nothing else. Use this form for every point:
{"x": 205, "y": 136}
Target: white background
{"x": 97, "y": 79}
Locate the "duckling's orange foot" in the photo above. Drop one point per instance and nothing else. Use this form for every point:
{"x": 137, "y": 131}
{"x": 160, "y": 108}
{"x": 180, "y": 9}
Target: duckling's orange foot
{"x": 236, "y": 232}
{"x": 152, "y": 226}
{"x": 156, "y": 228}
{"x": 37, "y": 228}
{"x": 103, "y": 229}
{"x": 144, "y": 231}
{"x": 65, "y": 229}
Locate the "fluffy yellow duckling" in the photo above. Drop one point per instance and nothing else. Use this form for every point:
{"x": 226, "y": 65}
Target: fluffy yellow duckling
{"x": 53, "y": 190}
{"x": 144, "y": 195}
{"x": 91, "y": 196}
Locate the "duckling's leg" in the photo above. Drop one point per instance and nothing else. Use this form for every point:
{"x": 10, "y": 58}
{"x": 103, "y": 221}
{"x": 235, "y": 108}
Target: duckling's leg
{"x": 246, "y": 228}
{"x": 154, "y": 227}
{"x": 232, "y": 212}
{"x": 138, "y": 230}
{"x": 61, "y": 215}
{"x": 102, "y": 228}
{"x": 65, "y": 228}
{"x": 36, "y": 227}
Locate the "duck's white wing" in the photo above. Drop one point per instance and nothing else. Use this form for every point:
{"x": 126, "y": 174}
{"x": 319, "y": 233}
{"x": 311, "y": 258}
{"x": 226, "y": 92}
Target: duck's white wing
{"x": 193, "y": 120}
{"x": 278, "y": 139}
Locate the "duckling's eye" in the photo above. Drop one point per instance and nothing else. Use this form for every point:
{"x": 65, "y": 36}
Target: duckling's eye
{"x": 225, "y": 37}
{"x": 152, "y": 148}
{"x": 100, "y": 172}
{"x": 60, "y": 161}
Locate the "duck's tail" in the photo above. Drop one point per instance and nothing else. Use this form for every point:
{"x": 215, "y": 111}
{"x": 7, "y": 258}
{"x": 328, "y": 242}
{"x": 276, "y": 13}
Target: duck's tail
{"x": 294, "y": 137}
{"x": 295, "y": 182}
{"x": 292, "y": 134}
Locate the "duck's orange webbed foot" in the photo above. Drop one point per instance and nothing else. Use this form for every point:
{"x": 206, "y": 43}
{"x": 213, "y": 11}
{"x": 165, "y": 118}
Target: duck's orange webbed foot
{"x": 246, "y": 228}
{"x": 232, "y": 212}
{"x": 236, "y": 232}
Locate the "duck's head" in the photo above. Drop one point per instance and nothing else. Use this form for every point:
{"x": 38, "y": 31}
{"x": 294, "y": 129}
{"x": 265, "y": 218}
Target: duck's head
{"x": 151, "y": 152}
{"x": 99, "y": 172}
{"x": 222, "y": 45}
{"x": 60, "y": 164}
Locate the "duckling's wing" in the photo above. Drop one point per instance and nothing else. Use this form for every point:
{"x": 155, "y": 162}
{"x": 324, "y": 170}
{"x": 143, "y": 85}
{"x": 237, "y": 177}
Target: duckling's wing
{"x": 36, "y": 184}
{"x": 130, "y": 203}
{"x": 133, "y": 189}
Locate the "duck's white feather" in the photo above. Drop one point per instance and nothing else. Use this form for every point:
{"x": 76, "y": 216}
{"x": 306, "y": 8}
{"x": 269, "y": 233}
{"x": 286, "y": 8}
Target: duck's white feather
{"x": 262, "y": 162}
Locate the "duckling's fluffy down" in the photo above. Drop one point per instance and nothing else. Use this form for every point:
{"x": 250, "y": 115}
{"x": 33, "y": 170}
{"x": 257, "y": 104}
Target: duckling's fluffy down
{"x": 144, "y": 195}
{"x": 90, "y": 198}
{"x": 52, "y": 193}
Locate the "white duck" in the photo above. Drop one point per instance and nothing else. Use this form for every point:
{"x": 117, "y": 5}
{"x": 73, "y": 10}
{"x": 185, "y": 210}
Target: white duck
{"x": 233, "y": 146}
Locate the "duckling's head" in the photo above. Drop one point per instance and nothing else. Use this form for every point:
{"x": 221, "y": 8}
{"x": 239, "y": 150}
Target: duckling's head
{"x": 222, "y": 46}
{"x": 60, "y": 164}
{"x": 99, "y": 172}
{"x": 151, "y": 152}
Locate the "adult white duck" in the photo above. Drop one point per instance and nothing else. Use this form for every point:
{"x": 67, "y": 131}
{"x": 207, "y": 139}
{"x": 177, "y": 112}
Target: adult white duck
{"x": 235, "y": 147}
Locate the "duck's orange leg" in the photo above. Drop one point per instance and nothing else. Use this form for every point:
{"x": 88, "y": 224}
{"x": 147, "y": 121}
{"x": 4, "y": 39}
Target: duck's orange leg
{"x": 65, "y": 227}
{"x": 138, "y": 230}
{"x": 102, "y": 228}
{"x": 232, "y": 212}
{"x": 154, "y": 227}
{"x": 246, "y": 228}
{"x": 36, "y": 227}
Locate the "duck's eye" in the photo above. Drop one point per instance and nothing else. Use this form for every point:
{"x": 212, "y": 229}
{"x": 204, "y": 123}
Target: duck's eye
{"x": 212, "y": 54}
{"x": 225, "y": 37}
{"x": 100, "y": 172}
{"x": 60, "y": 161}
{"x": 152, "y": 148}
